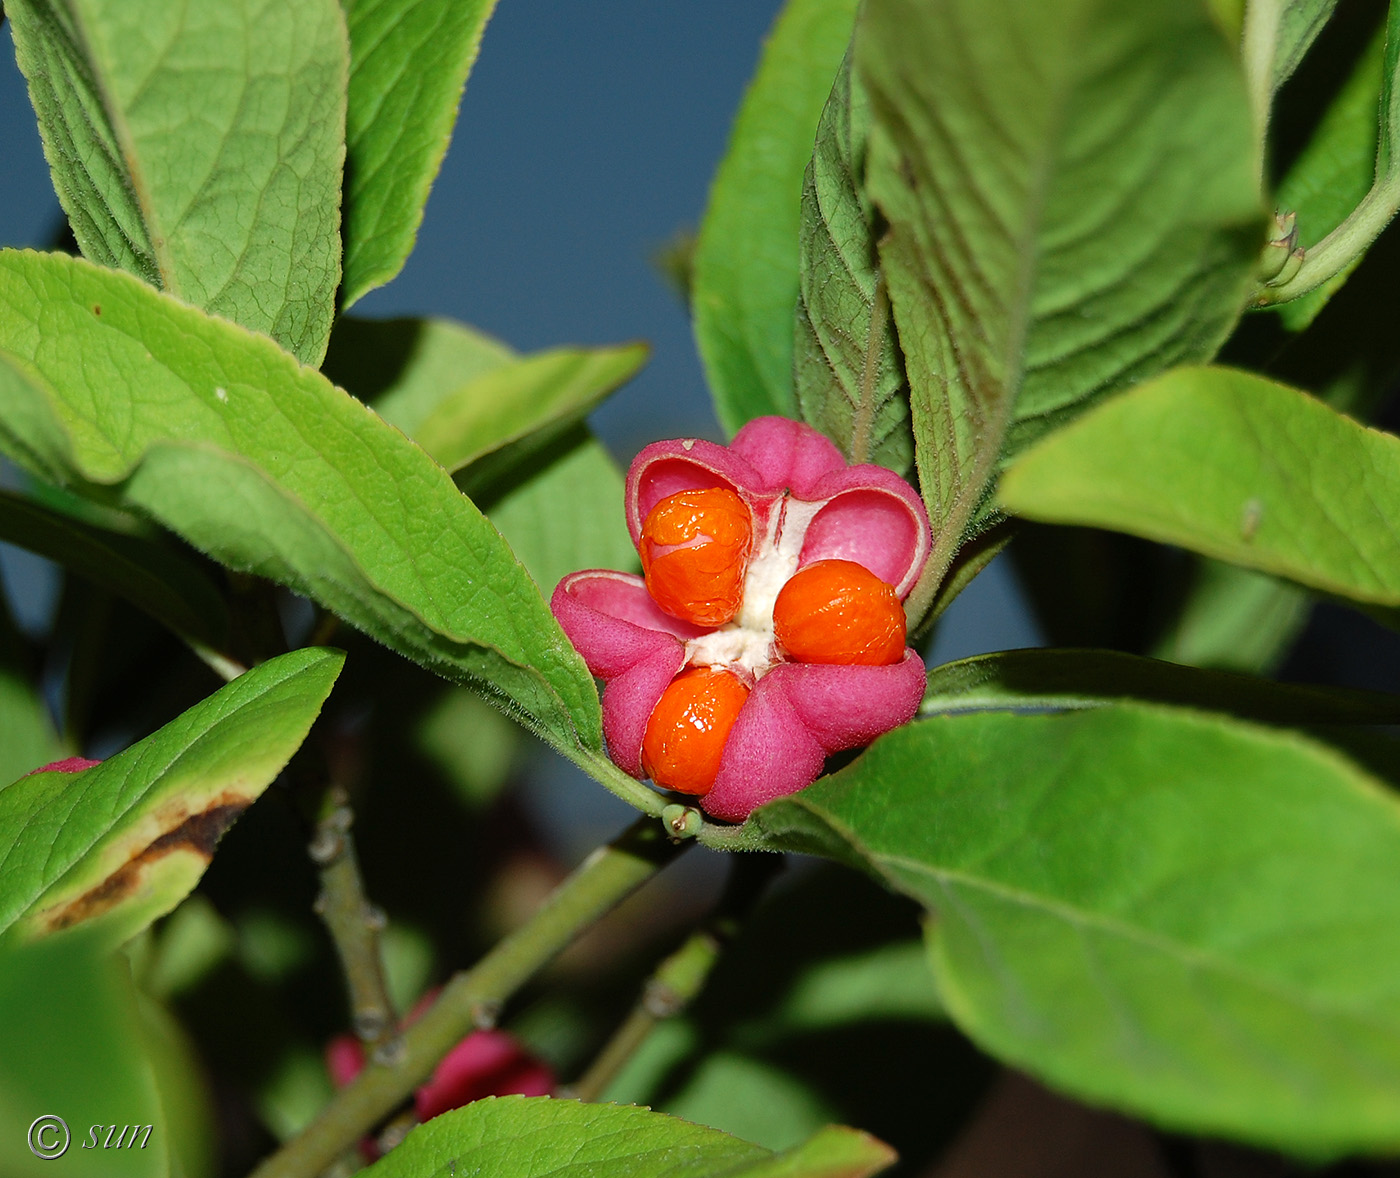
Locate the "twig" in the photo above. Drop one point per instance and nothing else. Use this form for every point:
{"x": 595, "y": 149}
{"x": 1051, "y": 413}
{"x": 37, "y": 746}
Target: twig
{"x": 679, "y": 979}
{"x": 474, "y": 997}
{"x": 1348, "y": 241}
{"x": 226, "y": 667}
{"x": 354, "y": 924}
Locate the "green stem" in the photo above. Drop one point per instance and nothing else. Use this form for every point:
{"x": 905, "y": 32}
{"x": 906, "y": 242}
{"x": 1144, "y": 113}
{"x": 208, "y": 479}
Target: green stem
{"x": 1348, "y": 241}
{"x": 473, "y": 998}
{"x": 353, "y": 922}
{"x": 608, "y": 775}
{"x": 720, "y": 836}
{"x": 224, "y": 666}
{"x": 678, "y": 980}
{"x": 1258, "y": 49}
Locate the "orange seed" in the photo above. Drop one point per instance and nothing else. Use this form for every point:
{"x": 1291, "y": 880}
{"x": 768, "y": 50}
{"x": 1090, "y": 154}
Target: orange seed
{"x": 695, "y": 549}
{"x": 685, "y": 735}
{"x": 837, "y": 611}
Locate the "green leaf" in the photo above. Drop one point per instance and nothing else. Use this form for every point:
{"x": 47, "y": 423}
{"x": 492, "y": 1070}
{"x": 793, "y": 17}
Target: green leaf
{"x": 1074, "y": 679}
{"x": 1083, "y": 222}
{"x": 1299, "y": 22}
{"x": 847, "y": 367}
{"x": 691, "y": 1076}
{"x": 471, "y": 743}
{"x": 568, "y": 516}
{"x": 469, "y": 400}
{"x": 126, "y": 840}
{"x": 1232, "y": 466}
{"x": 200, "y": 148}
{"x": 746, "y": 260}
{"x": 30, "y": 739}
{"x": 890, "y": 982}
{"x": 832, "y": 1152}
{"x": 188, "y": 947}
{"x": 536, "y": 397}
{"x": 74, "y": 1048}
{"x": 1178, "y": 915}
{"x": 149, "y": 574}
{"x": 409, "y": 62}
{"x": 1235, "y": 619}
{"x": 405, "y": 367}
{"x": 1333, "y": 173}
{"x": 265, "y": 466}
{"x": 183, "y": 1090}
{"x": 539, "y": 1137}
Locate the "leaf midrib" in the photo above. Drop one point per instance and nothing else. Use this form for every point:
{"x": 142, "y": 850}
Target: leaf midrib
{"x": 1030, "y": 253}
{"x": 1191, "y": 956}
{"x": 165, "y": 265}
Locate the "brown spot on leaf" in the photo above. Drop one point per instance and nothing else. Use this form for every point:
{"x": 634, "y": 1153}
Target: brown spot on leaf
{"x": 196, "y": 833}
{"x": 97, "y": 309}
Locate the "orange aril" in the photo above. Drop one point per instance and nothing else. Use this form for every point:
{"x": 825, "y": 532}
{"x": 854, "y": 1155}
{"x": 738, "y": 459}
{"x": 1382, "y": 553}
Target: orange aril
{"x": 685, "y": 735}
{"x": 695, "y": 549}
{"x": 837, "y": 611}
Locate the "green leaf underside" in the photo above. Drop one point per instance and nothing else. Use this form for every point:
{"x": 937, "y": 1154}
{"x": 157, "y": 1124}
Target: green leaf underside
{"x": 529, "y": 397}
{"x": 124, "y": 841}
{"x": 746, "y": 259}
{"x": 539, "y": 1137}
{"x": 567, "y": 516}
{"x": 200, "y": 147}
{"x": 409, "y": 62}
{"x": 1179, "y": 915}
{"x": 1074, "y": 679}
{"x": 405, "y": 367}
{"x": 1333, "y": 173}
{"x": 155, "y": 579}
{"x": 1085, "y": 222}
{"x": 1232, "y": 466}
{"x": 846, "y": 361}
{"x": 270, "y": 469}
{"x": 1300, "y": 21}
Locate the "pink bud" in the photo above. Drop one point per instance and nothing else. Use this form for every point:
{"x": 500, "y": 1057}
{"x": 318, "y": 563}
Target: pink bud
{"x": 485, "y": 1063}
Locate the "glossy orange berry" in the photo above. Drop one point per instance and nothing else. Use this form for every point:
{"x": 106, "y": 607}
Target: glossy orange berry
{"x": 837, "y": 611}
{"x": 695, "y": 550}
{"x": 685, "y": 735}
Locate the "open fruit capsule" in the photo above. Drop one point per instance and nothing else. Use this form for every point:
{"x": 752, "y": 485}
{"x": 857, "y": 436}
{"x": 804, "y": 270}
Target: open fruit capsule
{"x": 695, "y": 550}
{"x": 685, "y": 735}
{"x": 705, "y": 690}
{"x": 837, "y": 611}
